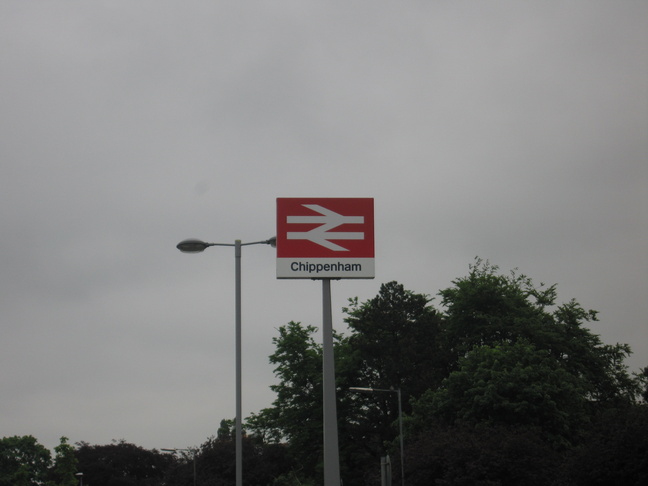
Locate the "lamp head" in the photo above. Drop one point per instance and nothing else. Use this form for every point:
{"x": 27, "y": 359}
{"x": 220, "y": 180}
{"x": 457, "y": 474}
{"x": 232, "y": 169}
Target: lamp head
{"x": 192, "y": 245}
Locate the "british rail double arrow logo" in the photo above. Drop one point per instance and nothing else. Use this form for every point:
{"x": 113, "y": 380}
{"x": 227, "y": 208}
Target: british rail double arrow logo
{"x": 328, "y": 220}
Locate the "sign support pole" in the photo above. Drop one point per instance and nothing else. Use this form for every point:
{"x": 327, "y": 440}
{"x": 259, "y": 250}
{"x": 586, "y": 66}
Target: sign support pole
{"x": 239, "y": 408}
{"x": 331, "y": 451}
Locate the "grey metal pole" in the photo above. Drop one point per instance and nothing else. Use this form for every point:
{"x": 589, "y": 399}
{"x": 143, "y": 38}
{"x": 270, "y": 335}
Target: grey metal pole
{"x": 400, "y": 433}
{"x": 239, "y": 408}
{"x": 331, "y": 451}
{"x": 193, "y": 245}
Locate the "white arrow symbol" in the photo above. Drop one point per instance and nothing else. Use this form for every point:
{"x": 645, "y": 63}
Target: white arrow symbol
{"x": 329, "y": 220}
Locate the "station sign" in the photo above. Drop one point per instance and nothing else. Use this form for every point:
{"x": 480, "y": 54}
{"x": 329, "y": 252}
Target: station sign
{"x": 321, "y": 238}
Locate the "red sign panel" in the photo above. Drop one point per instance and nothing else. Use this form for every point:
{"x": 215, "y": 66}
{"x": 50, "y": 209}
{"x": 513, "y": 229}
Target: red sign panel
{"x": 325, "y": 238}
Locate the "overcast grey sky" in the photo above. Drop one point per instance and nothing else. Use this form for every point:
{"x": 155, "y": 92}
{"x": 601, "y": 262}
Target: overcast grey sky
{"x": 514, "y": 131}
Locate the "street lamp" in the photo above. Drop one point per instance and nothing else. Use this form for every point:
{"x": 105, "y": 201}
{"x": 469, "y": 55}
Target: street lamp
{"x": 80, "y": 477}
{"x": 400, "y": 420}
{"x": 197, "y": 246}
{"x": 173, "y": 451}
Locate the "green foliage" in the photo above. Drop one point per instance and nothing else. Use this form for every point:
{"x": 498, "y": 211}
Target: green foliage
{"x": 486, "y": 308}
{"x": 489, "y": 455}
{"x": 65, "y": 465}
{"x": 641, "y": 379}
{"x": 502, "y": 356}
{"x": 296, "y": 415}
{"x": 396, "y": 341}
{"x": 509, "y": 384}
{"x": 121, "y": 464}
{"x": 292, "y": 479}
{"x": 600, "y": 366}
{"x": 614, "y": 449}
{"x": 23, "y": 461}
{"x": 216, "y": 462}
{"x": 227, "y": 429}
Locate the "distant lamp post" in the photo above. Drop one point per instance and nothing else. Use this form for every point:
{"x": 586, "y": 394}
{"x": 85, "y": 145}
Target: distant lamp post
{"x": 80, "y": 475}
{"x": 193, "y": 453}
{"x": 400, "y": 421}
{"x": 197, "y": 246}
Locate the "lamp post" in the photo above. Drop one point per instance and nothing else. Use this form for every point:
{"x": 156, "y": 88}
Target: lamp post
{"x": 197, "y": 246}
{"x": 80, "y": 474}
{"x": 400, "y": 420}
{"x": 193, "y": 452}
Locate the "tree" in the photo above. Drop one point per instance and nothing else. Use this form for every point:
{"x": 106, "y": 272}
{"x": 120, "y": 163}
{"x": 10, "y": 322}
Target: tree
{"x": 121, "y": 464}
{"x": 181, "y": 468}
{"x": 522, "y": 363}
{"x": 216, "y": 458}
{"x": 501, "y": 358}
{"x": 65, "y": 462}
{"x": 486, "y": 308}
{"x": 642, "y": 384}
{"x": 614, "y": 450}
{"x": 489, "y": 455}
{"x": 296, "y": 415}
{"x": 394, "y": 342}
{"x": 23, "y": 461}
{"x": 510, "y": 384}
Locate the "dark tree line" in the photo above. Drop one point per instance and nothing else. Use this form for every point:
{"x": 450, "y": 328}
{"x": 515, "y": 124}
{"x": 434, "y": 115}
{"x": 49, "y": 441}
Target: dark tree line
{"x": 25, "y": 462}
{"x": 501, "y": 385}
